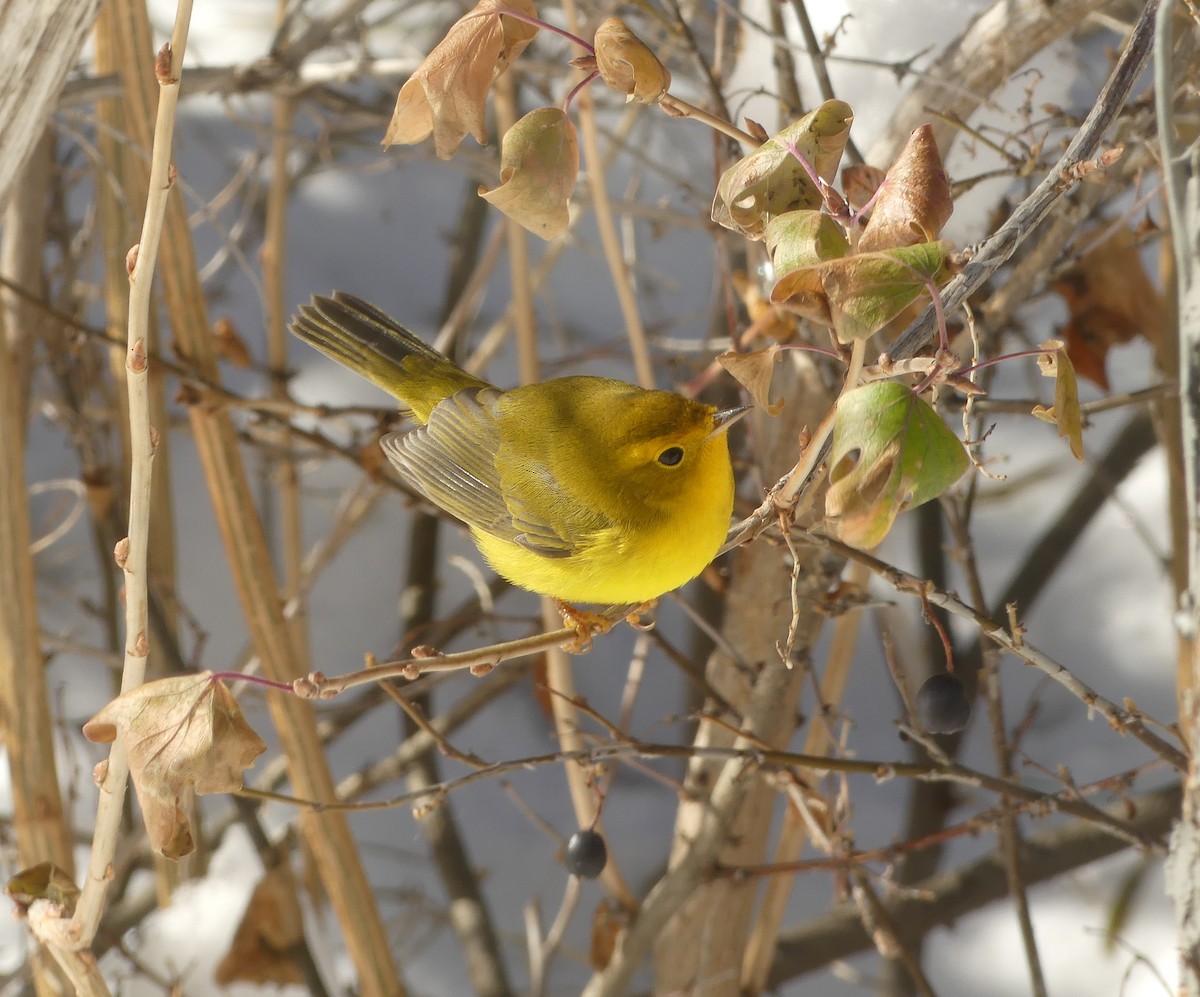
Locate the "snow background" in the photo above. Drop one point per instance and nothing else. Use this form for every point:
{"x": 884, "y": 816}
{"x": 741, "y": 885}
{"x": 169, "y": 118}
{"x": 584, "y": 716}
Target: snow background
{"x": 377, "y": 224}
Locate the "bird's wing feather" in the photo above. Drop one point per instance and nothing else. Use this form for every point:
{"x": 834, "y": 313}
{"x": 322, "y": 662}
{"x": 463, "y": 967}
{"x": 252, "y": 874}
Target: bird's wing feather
{"x": 452, "y": 461}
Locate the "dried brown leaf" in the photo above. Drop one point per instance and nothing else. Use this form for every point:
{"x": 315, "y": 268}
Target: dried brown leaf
{"x": 182, "y": 734}
{"x": 447, "y": 93}
{"x": 1111, "y": 300}
{"x": 753, "y": 371}
{"x": 271, "y": 927}
{"x": 627, "y": 64}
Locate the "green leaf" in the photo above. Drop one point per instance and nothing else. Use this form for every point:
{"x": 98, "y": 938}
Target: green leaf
{"x": 770, "y": 181}
{"x": 798, "y": 242}
{"x": 891, "y": 452}
{"x": 803, "y": 239}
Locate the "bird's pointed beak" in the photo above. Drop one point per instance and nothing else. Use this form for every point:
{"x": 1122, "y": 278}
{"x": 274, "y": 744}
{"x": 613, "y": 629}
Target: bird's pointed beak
{"x": 727, "y": 417}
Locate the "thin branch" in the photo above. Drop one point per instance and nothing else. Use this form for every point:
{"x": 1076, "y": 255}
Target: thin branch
{"x": 168, "y": 69}
{"x": 942, "y": 899}
{"x": 1120, "y": 720}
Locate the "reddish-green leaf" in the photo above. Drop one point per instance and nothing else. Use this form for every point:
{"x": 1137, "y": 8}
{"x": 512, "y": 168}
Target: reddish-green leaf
{"x": 868, "y": 290}
{"x": 914, "y": 198}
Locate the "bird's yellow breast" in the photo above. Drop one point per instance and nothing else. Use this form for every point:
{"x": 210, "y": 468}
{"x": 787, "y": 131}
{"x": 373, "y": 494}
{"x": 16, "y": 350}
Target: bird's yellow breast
{"x": 632, "y": 562}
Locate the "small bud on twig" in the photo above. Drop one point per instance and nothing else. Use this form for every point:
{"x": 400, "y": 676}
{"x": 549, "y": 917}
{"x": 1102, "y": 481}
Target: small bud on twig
{"x": 162, "y": 66}
{"x": 131, "y": 259}
{"x": 137, "y": 357}
{"x": 121, "y": 552}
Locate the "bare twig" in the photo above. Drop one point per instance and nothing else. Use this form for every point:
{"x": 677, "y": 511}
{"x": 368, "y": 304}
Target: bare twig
{"x": 942, "y": 899}
{"x": 168, "y": 68}
{"x": 1121, "y": 720}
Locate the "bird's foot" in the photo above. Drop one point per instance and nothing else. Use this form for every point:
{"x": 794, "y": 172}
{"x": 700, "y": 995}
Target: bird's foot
{"x": 641, "y": 616}
{"x": 586, "y": 625}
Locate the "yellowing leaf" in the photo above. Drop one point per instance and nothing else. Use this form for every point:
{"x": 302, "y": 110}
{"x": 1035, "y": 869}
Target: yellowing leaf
{"x": 771, "y": 181}
{"x": 891, "y": 452}
{"x": 753, "y": 371}
{"x": 914, "y": 198}
{"x": 182, "y": 734}
{"x": 539, "y": 162}
{"x": 1065, "y": 412}
{"x": 627, "y": 65}
{"x": 446, "y": 94}
{"x": 804, "y": 239}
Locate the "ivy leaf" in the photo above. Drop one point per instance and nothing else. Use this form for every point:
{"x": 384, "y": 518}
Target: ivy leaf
{"x": 891, "y": 452}
{"x": 539, "y": 163}
{"x": 1065, "y": 412}
{"x": 770, "y": 181}
{"x": 182, "y": 734}
{"x": 447, "y": 93}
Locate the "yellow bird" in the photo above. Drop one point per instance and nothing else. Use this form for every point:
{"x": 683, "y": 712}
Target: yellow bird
{"x": 584, "y": 489}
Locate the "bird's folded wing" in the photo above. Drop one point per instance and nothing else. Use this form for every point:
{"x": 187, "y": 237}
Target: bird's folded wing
{"x": 452, "y": 461}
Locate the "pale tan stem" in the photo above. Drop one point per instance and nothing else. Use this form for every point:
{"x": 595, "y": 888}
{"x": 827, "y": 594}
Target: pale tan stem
{"x": 760, "y": 952}
{"x": 134, "y": 562}
{"x": 680, "y": 108}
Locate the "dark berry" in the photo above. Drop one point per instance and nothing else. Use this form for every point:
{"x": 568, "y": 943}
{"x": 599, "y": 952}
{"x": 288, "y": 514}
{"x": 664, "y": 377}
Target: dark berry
{"x": 587, "y": 854}
{"x": 942, "y": 706}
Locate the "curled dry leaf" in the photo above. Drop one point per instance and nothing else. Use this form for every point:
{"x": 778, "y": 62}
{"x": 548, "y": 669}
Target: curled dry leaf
{"x": 627, "y": 64}
{"x": 1065, "y": 413}
{"x": 914, "y": 198}
{"x": 753, "y": 371}
{"x": 262, "y": 948}
{"x": 44, "y": 881}
{"x": 1111, "y": 300}
{"x": 891, "y": 452}
{"x": 539, "y": 162}
{"x": 182, "y": 734}
{"x": 771, "y": 181}
{"x": 447, "y": 93}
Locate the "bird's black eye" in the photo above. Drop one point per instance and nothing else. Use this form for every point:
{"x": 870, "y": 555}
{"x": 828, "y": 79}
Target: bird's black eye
{"x": 671, "y": 456}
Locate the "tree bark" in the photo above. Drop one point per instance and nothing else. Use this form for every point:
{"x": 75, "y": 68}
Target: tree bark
{"x": 39, "y": 42}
